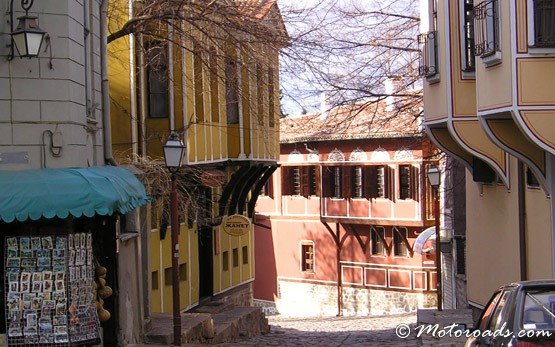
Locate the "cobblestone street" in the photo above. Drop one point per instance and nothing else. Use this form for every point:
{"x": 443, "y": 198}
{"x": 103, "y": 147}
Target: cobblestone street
{"x": 334, "y": 331}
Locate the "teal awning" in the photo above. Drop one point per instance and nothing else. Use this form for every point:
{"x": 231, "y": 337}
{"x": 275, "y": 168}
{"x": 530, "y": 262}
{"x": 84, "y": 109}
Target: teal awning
{"x": 49, "y": 193}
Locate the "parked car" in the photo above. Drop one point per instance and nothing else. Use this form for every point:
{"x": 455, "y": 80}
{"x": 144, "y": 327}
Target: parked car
{"x": 520, "y": 314}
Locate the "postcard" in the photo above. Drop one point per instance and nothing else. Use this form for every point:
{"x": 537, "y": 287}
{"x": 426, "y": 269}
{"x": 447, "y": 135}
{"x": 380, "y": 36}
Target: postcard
{"x": 43, "y": 261}
{"x": 83, "y": 238}
{"x": 70, "y": 241}
{"x": 60, "y": 276}
{"x": 60, "y": 309}
{"x": 24, "y": 243}
{"x": 31, "y": 319}
{"x": 15, "y": 331}
{"x": 47, "y": 242}
{"x": 28, "y": 263}
{"x": 47, "y": 286}
{"x": 89, "y": 240}
{"x": 35, "y": 243}
{"x": 25, "y": 287}
{"x": 59, "y": 285}
{"x": 37, "y": 276}
{"x": 26, "y": 253}
{"x": 11, "y": 242}
{"x": 59, "y": 253}
{"x": 14, "y": 262}
{"x": 14, "y": 287}
{"x": 60, "y": 320}
{"x": 37, "y": 287}
{"x": 47, "y": 275}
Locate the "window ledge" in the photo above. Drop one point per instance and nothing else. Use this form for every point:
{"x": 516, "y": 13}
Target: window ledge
{"x": 128, "y": 236}
{"x": 433, "y": 79}
{"x": 541, "y": 50}
{"x": 468, "y": 75}
{"x": 491, "y": 59}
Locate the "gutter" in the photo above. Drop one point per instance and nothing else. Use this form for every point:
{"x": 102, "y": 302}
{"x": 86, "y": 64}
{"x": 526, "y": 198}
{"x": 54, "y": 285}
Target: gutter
{"x": 106, "y": 124}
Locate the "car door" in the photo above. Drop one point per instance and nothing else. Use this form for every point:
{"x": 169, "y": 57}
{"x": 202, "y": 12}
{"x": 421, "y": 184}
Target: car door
{"x": 493, "y": 317}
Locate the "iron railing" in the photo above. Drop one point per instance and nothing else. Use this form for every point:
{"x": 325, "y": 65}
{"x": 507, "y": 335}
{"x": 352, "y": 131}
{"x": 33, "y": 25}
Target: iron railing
{"x": 428, "y": 58}
{"x": 486, "y": 26}
{"x": 544, "y": 23}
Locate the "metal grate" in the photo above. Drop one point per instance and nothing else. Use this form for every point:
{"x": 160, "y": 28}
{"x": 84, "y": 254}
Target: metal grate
{"x": 486, "y": 26}
{"x": 428, "y": 54}
{"x": 544, "y": 23}
{"x": 460, "y": 256}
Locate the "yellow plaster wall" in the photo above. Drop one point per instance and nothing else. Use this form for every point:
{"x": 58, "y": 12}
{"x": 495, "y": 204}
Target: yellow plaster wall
{"x": 491, "y": 238}
{"x": 538, "y": 235}
{"x": 119, "y": 82}
{"x": 540, "y": 123}
{"x": 535, "y": 81}
{"x": 494, "y": 84}
{"x": 435, "y": 94}
{"x": 464, "y": 89}
{"x": 522, "y": 25}
{"x": 160, "y": 259}
{"x": 474, "y": 136}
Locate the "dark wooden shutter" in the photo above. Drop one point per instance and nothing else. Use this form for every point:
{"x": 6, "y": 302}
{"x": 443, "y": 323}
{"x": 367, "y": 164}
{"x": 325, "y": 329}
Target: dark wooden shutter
{"x": 286, "y": 181}
{"x": 317, "y": 182}
{"x": 305, "y": 180}
{"x": 389, "y": 179}
{"x": 326, "y": 181}
{"x": 415, "y": 183}
{"x": 347, "y": 181}
{"x": 369, "y": 181}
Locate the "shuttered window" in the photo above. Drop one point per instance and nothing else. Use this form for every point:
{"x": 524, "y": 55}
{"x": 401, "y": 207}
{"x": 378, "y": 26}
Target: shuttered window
{"x": 307, "y": 256}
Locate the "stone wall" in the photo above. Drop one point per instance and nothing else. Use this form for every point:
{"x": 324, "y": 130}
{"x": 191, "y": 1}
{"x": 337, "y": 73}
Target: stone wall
{"x": 238, "y": 296}
{"x": 310, "y": 299}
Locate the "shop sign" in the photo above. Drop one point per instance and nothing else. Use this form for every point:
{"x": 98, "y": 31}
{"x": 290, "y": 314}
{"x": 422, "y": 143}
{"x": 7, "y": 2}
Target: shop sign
{"x": 236, "y": 225}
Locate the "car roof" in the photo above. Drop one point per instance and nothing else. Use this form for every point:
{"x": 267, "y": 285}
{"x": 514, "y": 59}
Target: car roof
{"x": 529, "y": 284}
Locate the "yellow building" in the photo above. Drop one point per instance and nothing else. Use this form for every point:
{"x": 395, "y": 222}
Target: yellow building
{"x": 219, "y": 91}
{"x": 489, "y": 71}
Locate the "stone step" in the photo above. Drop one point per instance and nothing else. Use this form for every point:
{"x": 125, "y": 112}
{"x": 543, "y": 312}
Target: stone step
{"x": 195, "y": 327}
{"x": 239, "y": 322}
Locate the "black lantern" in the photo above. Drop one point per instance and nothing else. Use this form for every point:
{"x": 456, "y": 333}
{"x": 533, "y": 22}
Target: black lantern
{"x": 27, "y": 38}
{"x": 173, "y": 152}
{"x": 433, "y": 176}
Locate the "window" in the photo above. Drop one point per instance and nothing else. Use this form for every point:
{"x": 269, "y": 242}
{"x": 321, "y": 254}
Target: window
{"x": 378, "y": 241}
{"x": 271, "y": 98}
{"x": 428, "y": 46}
{"x": 543, "y": 23}
{"x": 157, "y": 75}
{"x": 260, "y": 95}
{"x": 400, "y": 242}
{"x": 460, "y": 255}
{"x": 214, "y": 86}
{"x": 357, "y": 182}
{"x": 268, "y": 188}
{"x": 486, "y": 25}
{"x": 235, "y": 257}
{"x": 300, "y": 181}
{"x": 408, "y": 182}
{"x": 531, "y": 180}
{"x": 168, "y": 279}
{"x": 378, "y": 181}
{"x": 155, "y": 284}
{"x": 225, "y": 261}
{"x": 183, "y": 272}
{"x": 198, "y": 82}
{"x": 468, "y": 60}
{"x": 232, "y": 91}
{"x": 307, "y": 256}
{"x": 245, "y": 254}
{"x": 336, "y": 182}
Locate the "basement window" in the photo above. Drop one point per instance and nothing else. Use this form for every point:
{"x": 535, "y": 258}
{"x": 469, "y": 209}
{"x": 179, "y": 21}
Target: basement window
{"x": 307, "y": 256}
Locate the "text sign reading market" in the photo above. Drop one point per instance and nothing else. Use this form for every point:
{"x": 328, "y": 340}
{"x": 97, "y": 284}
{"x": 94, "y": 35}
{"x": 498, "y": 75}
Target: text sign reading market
{"x": 236, "y": 225}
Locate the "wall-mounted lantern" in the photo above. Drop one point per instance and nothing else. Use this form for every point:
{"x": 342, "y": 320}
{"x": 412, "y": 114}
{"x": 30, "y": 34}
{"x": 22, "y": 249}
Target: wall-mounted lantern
{"x": 27, "y": 38}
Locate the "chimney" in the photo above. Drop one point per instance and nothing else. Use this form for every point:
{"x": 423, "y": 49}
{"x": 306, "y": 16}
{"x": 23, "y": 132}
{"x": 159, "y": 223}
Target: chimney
{"x": 392, "y": 85}
{"x": 324, "y": 107}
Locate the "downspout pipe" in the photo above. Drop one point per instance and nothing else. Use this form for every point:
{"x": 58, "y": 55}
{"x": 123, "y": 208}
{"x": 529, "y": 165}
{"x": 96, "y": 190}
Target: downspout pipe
{"x": 106, "y": 123}
{"x": 522, "y": 222}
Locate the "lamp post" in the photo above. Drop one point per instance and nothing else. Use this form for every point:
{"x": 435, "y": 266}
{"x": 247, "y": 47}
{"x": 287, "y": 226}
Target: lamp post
{"x": 434, "y": 177}
{"x": 27, "y": 38}
{"x": 173, "y": 154}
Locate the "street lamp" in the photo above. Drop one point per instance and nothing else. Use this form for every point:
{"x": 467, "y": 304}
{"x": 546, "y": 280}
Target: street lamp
{"x": 27, "y": 38}
{"x": 174, "y": 150}
{"x": 434, "y": 177}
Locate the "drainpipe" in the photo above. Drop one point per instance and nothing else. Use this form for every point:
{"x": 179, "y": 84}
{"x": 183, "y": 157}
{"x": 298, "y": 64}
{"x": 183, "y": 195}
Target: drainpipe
{"x": 107, "y": 138}
{"x": 522, "y": 221}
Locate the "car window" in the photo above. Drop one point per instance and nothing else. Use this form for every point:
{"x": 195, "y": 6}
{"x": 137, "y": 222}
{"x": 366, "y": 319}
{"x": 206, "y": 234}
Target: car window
{"x": 486, "y": 315}
{"x": 499, "y": 315}
{"x": 539, "y": 309}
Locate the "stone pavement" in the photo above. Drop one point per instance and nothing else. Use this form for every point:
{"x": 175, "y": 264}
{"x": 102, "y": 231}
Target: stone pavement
{"x": 334, "y": 331}
{"x": 338, "y": 331}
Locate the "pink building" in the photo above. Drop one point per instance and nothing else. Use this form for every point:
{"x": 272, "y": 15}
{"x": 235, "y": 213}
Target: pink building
{"x": 341, "y": 215}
